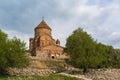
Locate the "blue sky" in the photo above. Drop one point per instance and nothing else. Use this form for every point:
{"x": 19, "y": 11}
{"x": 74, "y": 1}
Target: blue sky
{"x": 100, "y": 18}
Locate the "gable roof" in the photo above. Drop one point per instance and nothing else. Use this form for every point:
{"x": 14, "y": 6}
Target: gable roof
{"x": 44, "y": 25}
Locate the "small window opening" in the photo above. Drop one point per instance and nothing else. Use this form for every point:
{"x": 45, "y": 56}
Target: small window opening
{"x": 53, "y": 57}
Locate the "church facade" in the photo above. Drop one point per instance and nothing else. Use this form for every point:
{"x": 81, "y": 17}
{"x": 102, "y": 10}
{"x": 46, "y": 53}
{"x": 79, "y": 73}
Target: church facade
{"x": 43, "y": 44}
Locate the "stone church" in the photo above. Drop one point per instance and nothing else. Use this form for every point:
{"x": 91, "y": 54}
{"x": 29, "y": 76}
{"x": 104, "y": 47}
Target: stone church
{"x": 43, "y": 45}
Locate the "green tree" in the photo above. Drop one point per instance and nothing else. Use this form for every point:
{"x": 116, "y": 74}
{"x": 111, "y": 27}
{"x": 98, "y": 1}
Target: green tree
{"x": 117, "y": 61}
{"x": 80, "y": 47}
{"x": 85, "y": 52}
{"x": 101, "y": 50}
{"x": 3, "y": 59}
{"x": 12, "y": 52}
{"x": 16, "y": 53}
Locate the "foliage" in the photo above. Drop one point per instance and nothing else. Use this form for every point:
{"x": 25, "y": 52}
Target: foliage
{"x": 12, "y": 52}
{"x": 3, "y": 59}
{"x": 16, "y": 55}
{"x": 86, "y": 53}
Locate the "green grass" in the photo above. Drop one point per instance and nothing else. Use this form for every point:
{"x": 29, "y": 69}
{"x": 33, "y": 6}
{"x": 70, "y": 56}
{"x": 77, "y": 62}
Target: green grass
{"x": 3, "y": 77}
{"x": 50, "y": 77}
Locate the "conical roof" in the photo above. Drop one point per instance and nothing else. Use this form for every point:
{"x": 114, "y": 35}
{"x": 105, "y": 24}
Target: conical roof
{"x": 44, "y": 25}
{"x": 57, "y": 41}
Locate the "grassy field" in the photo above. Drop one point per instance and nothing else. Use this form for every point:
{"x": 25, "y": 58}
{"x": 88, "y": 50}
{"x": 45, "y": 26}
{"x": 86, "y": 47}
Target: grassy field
{"x": 50, "y": 77}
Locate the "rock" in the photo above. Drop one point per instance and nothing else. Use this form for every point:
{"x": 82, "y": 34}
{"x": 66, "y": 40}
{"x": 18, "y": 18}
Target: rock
{"x": 30, "y": 71}
{"x": 104, "y": 74}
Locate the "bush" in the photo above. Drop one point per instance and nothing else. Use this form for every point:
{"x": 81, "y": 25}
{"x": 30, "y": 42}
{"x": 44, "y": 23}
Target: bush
{"x": 12, "y": 53}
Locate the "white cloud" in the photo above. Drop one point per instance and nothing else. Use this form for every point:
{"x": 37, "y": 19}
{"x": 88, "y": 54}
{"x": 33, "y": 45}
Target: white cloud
{"x": 99, "y": 18}
{"x": 24, "y": 37}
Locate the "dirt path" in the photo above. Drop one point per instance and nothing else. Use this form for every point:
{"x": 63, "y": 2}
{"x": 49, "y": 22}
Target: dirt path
{"x": 77, "y": 76}
{"x": 99, "y": 74}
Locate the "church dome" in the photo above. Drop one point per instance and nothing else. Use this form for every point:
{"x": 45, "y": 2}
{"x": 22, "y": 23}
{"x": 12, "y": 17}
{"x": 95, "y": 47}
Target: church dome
{"x": 43, "y": 25}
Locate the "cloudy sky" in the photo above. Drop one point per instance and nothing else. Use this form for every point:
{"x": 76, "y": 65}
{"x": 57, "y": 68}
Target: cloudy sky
{"x": 100, "y": 18}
